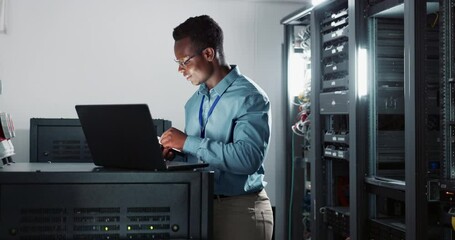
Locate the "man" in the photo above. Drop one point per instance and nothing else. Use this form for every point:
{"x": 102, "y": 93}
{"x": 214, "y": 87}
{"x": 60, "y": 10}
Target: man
{"x": 227, "y": 124}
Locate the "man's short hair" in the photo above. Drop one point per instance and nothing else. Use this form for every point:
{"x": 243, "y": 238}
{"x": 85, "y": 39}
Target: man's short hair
{"x": 203, "y": 31}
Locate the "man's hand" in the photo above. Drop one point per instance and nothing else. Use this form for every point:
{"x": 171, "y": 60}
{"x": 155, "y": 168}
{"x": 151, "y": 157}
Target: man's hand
{"x": 168, "y": 154}
{"x": 173, "y": 138}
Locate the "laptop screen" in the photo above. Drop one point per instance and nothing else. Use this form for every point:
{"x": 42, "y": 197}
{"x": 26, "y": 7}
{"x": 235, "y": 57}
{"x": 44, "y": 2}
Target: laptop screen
{"x": 121, "y": 136}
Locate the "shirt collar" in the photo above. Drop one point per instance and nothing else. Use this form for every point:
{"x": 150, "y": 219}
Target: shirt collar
{"x": 221, "y": 87}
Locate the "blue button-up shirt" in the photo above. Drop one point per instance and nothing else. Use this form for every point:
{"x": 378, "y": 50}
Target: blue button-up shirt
{"x": 237, "y": 133}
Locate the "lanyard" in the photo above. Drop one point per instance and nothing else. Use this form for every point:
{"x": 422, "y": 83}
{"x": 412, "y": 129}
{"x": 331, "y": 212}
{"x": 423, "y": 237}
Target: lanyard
{"x": 201, "y": 123}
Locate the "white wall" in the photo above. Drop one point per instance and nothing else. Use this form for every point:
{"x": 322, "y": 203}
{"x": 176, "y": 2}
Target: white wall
{"x": 57, "y": 54}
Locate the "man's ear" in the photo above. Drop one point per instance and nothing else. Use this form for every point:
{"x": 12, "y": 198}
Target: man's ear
{"x": 209, "y": 54}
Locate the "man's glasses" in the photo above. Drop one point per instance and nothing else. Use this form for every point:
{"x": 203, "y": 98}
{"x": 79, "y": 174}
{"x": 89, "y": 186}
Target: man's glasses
{"x": 184, "y": 62}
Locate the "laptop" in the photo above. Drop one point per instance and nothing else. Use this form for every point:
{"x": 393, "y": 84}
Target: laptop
{"x": 124, "y": 136}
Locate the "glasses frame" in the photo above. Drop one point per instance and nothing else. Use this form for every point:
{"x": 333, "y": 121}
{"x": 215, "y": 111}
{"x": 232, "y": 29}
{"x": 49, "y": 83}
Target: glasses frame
{"x": 184, "y": 62}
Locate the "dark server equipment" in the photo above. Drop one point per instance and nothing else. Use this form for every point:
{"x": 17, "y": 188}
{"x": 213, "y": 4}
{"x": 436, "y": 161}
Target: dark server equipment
{"x": 390, "y": 100}
{"x": 334, "y": 102}
{"x": 336, "y": 34}
{"x": 335, "y": 82}
{"x": 337, "y": 218}
{"x": 81, "y": 201}
{"x": 62, "y": 139}
{"x": 331, "y": 151}
{"x": 387, "y": 40}
{"x": 334, "y": 52}
{"x": 386, "y": 229}
{"x": 334, "y": 20}
{"x": 432, "y": 132}
{"x": 335, "y": 65}
{"x": 390, "y": 154}
{"x": 338, "y": 187}
{"x": 58, "y": 140}
{"x": 336, "y": 48}
{"x": 333, "y": 137}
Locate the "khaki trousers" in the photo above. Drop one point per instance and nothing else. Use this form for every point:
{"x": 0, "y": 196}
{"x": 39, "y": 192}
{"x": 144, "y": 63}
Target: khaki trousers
{"x": 245, "y": 217}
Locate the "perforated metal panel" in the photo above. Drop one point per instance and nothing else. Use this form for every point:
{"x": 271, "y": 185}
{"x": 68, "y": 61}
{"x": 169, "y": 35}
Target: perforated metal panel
{"x": 57, "y": 140}
{"x": 79, "y": 201}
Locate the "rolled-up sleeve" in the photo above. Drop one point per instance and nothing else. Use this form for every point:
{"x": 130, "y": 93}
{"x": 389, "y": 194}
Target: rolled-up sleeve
{"x": 249, "y": 137}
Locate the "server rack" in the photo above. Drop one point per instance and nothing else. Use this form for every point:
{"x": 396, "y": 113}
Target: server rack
{"x": 387, "y": 159}
{"x": 331, "y": 175}
{"x": 337, "y": 184}
{"x": 297, "y": 65}
{"x": 405, "y": 156}
{"x": 339, "y": 166}
{"x": 387, "y": 148}
{"x": 447, "y": 187}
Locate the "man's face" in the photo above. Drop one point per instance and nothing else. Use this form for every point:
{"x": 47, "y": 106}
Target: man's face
{"x": 192, "y": 62}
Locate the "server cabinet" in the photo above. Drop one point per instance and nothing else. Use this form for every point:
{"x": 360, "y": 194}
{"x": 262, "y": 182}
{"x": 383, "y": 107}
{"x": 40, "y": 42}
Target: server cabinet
{"x": 83, "y": 201}
{"x": 447, "y": 60}
{"x": 405, "y": 110}
{"x": 339, "y": 164}
{"x": 377, "y": 158}
{"x": 337, "y": 177}
{"x": 297, "y": 63}
{"x": 387, "y": 125}
{"x": 330, "y": 32}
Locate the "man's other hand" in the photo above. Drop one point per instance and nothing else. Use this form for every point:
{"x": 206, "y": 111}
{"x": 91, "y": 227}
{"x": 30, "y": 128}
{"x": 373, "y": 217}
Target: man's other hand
{"x": 173, "y": 138}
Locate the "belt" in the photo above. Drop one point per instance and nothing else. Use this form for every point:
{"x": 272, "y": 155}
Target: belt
{"x": 218, "y": 196}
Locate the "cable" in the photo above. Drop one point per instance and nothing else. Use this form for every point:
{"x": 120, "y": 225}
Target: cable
{"x": 300, "y": 128}
{"x": 302, "y": 125}
{"x": 435, "y": 20}
{"x": 291, "y": 196}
